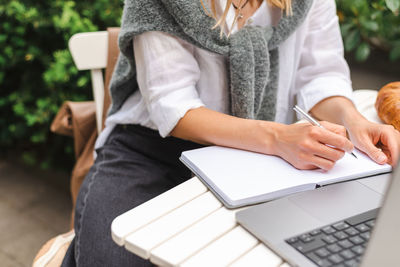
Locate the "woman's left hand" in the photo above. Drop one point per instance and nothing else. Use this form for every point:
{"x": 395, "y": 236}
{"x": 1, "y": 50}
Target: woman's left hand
{"x": 380, "y": 142}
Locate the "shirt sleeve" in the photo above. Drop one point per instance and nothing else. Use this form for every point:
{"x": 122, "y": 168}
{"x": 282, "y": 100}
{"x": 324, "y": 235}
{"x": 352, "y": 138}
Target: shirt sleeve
{"x": 167, "y": 73}
{"x": 323, "y": 71}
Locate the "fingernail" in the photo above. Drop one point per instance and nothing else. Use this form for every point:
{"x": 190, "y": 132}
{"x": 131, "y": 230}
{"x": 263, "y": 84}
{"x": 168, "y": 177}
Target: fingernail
{"x": 382, "y": 158}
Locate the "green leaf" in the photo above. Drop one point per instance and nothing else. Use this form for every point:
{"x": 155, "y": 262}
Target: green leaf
{"x": 42, "y": 103}
{"x": 29, "y": 158}
{"x": 345, "y": 28}
{"x": 38, "y": 137}
{"x": 45, "y": 165}
{"x": 393, "y": 5}
{"x": 3, "y": 38}
{"x": 3, "y": 101}
{"x": 363, "y": 52}
{"x": 12, "y": 128}
{"x": 352, "y": 40}
{"x": 19, "y": 109}
{"x": 82, "y": 81}
{"x": 370, "y": 25}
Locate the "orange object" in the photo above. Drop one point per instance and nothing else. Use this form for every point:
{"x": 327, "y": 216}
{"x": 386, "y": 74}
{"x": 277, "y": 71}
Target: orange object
{"x": 388, "y": 104}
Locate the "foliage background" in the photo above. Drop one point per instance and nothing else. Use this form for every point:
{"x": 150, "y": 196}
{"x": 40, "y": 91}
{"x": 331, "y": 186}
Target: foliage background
{"x": 37, "y": 73}
{"x": 370, "y": 24}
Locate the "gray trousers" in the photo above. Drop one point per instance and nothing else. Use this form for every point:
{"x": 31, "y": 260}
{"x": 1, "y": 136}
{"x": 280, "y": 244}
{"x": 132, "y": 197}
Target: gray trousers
{"x": 133, "y": 166}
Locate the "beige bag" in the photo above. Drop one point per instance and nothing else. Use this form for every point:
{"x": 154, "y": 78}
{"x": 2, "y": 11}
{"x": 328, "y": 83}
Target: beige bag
{"x": 78, "y": 120}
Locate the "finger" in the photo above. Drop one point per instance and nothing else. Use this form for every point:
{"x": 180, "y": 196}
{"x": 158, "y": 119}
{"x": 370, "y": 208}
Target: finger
{"x": 329, "y": 153}
{"x": 321, "y": 163}
{"x": 336, "y": 128}
{"x": 303, "y": 166}
{"x": 386, "y": 151}
{"x": 373, "y": 152}
{"x": 390, "y": 146}
{"x": 327, "y": 137}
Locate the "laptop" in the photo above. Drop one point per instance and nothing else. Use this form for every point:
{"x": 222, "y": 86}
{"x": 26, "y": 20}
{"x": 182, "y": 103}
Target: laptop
{"x": 332, "y": 226}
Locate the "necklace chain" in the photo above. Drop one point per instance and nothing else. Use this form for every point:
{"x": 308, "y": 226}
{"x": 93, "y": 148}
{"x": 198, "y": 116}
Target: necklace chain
{"x": 239, "y": 8}
{"x": 242, "y": 6}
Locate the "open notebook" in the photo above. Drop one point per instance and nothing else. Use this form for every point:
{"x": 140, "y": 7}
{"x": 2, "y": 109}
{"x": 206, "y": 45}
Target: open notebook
{"x": 240, "y": 178}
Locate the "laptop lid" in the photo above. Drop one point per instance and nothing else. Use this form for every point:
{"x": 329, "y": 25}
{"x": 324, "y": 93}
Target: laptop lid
{"x": 384, "y": 246}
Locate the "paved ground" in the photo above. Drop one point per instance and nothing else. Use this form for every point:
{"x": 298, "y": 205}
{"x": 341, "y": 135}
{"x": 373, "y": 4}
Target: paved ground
{"x": 33, "y": 208}
{"x": 35, "y": 205}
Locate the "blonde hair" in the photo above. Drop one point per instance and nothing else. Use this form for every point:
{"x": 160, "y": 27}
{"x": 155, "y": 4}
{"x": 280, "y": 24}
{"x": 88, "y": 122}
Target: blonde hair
{"x": 285, "y": 5}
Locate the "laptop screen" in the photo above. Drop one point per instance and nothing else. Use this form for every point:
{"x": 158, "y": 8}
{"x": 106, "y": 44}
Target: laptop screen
{"x": 384, "y": 246}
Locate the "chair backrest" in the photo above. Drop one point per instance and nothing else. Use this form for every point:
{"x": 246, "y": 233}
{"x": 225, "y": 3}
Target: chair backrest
{"x": 89, "y": 51}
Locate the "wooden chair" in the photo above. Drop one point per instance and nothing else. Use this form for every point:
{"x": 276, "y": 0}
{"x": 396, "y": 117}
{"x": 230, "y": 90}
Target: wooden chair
{"x": 89, "y": 52}
{"x": 93, "y": 51}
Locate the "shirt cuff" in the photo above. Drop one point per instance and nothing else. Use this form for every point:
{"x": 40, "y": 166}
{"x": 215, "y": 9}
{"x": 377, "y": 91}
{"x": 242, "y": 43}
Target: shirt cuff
{"x": 166, "y": 111}
{"x": 322, "y": 88}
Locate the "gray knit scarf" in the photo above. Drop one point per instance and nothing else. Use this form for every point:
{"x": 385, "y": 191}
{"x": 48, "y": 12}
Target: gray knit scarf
{"x": 252, "y": 52}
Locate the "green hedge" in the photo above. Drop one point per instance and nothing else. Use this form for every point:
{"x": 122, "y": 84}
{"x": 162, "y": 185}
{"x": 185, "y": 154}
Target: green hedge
{"x": 37, "y": 73}
{"x": 370, "y": 24}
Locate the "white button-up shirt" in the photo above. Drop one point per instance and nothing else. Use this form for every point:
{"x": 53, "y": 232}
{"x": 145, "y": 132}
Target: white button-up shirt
{"x": 175, "y": 76}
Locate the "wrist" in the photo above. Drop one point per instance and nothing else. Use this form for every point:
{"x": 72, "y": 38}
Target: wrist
{"x": 352, "y": 117}
{"x": 339, "y": 110}
{"x": 267, "y": 135}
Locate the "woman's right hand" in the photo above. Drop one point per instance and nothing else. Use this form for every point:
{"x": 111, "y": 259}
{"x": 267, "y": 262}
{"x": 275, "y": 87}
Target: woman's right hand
{"x": 309, "y": 147}
{"x": 302, "y": 145}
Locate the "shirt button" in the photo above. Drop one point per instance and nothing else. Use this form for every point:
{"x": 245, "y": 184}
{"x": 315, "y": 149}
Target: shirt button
{"x": 249, "y": 21}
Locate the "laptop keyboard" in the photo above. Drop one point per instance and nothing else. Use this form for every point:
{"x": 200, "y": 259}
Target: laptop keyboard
{"x": 339, "y": 244}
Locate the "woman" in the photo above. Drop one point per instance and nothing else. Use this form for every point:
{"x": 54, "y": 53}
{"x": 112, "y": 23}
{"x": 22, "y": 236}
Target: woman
{"x": 180, "y": 84}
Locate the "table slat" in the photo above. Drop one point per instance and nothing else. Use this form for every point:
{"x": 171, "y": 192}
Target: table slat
{"x": 257, "y": 255}
{"x": 149, "y": 211}
{"x": 188, "y": 242}
{"x": 224, "y": 250}
{"x": 142, "y": 241}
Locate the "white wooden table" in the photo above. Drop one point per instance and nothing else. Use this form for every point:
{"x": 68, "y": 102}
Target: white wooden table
{"x": 188, "y": 226}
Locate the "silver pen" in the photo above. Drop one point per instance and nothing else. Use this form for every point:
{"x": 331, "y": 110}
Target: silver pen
{"x": 313, "y": 121}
